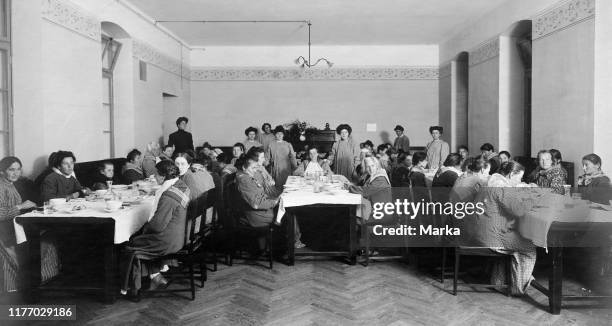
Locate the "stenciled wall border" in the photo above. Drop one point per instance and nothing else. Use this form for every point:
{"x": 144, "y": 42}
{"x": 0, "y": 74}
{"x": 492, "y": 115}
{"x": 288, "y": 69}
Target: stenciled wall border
{"x": 562, "y": 16}
{"x": 249, "y": 74}
{"x": 145, "y": 52}
{"x": 68, "y": 15}
{"x": 484, "y": 52}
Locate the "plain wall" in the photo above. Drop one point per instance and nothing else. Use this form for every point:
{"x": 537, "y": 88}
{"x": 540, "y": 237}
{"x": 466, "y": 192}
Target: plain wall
{"x": 511, "y": 97}
{"x": 563, "y": 78}
{"x": 445, "y": 110}
{"x": 603, "y": 83}
{"x": 153, "y": 124}
{"x": 483, "y": 112}
{"x": 222, "y": 110}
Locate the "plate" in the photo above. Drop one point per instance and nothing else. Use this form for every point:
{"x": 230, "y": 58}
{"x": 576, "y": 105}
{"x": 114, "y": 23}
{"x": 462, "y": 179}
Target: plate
{"x": 119, "y": 187}
{"x": 110, "y": 210}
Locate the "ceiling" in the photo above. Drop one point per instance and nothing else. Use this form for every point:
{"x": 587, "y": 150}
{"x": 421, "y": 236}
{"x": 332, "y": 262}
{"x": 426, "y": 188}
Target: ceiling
{"x": 337, "y": 22}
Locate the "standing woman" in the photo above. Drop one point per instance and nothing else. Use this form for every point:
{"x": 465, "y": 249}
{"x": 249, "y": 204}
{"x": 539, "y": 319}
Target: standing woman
{"x": 266, "y": 137}
{"x": 345, "y": 152}
{"x": 250, "y": 141}
{"x": 281, "y": 158}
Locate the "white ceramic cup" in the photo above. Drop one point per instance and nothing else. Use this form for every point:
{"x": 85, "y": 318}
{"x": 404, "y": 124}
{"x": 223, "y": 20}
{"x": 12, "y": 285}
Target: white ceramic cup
{"x": 113, "y": 205}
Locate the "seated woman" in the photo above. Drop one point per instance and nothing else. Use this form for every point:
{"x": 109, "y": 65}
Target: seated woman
{"x": 377, "y": 187}
{"x": 163, "y": 234}
{"x": 11, "y": 205}
{"x": 313, "y": 164}
{"x": 359, "y": 174}
{"x": 198, "y": 181}
{"x": 399, "y": 177}
{"x": 547, "y": 174}
{"x": 106, "y": 172}
{"x": 223, "y": 167}
{"x": 150, "y": 159}
{"x": 132, "y": 170}
{"x": 417, "y": 176}
{"x": 449, "y": 172}
{"x": 504, "y": 156}
{"x": 260, "y": 210}
{"x": 383, "y": 156}
{"x": 496, "y": 228}
{"x": 469, "y": 184}
{"x": 237, "y": 151}
{"x": 62, "y": 183}
{"x": 594, "y": 185}
{"x": 167, "y": 153}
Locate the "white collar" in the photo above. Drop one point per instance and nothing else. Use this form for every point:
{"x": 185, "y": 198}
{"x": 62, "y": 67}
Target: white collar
{"x": 56, "y": 170}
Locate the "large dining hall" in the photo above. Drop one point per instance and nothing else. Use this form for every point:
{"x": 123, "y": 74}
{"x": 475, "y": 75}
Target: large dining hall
{"x": 322, "y": 162}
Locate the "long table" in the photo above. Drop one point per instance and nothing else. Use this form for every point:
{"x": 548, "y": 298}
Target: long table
{"x": 559, "y": 222}
{"x": 109, "y": 229}
{"x": 303, "y": 195}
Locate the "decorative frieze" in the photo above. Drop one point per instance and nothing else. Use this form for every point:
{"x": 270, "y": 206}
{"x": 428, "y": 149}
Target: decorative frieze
{"x": 484, "y": 52}
{"x": 145, "y": 52}
{"x": 562, "y": 16}
{"x": 68, "y": 15}
{"x": 391, "y": 73}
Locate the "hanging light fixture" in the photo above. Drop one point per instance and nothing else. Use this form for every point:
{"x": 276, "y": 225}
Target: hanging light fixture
{"x": 301, "y": 60}
{"x": 308, "y": 63}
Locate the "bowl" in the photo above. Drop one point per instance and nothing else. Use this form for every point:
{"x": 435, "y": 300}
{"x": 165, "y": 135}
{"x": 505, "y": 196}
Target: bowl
{"x": 101, "y": 192}
{"x": 113, "y": 205}
{"x": 57, "y": 202}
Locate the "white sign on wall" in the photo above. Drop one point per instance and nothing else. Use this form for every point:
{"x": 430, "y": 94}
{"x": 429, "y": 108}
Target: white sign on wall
{"x": 370, "y": 127}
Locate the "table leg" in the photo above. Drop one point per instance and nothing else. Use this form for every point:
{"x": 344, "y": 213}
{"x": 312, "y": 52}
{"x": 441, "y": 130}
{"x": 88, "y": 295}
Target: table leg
{"x": 352, "y": 230}
{"x": 33, "y": 264}
{"x": 555, "y": 282}
{"x": 110, "y": 269}
{"x": 290, "y": 238}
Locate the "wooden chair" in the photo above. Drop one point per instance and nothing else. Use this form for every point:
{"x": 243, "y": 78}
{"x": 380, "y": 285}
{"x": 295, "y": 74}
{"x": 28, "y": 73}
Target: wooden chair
{"x": 385, "y": 241}
{"x": 193, "y": 252}
{"x": 235, "y": 207}
{"x": 488, "y": 254}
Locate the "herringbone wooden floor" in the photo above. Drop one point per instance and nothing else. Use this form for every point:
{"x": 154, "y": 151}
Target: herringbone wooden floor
{"x": 327, "y": 292}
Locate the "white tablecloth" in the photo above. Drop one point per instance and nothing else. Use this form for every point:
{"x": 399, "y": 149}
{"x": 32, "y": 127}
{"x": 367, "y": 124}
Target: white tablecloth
{"x": 551, "y": 208}
{"x": 306, "y": 196}
{"x": 128, "y": 220}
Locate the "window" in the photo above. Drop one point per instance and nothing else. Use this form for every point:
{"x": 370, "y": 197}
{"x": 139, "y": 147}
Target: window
{"x": 110, "y": 53}
{"x": 6, "y": 135}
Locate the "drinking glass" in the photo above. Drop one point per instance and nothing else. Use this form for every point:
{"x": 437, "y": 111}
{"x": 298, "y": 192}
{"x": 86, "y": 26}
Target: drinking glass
{"x": 46, "y": 207}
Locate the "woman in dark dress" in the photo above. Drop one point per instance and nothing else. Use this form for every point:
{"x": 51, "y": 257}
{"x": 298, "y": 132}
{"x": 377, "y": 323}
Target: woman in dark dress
{"x": 399, "y": 177}
{"x": 417, "y": 177}
{"x": 62, "y": 182}
{"x": 594, "y": 185}
{"x": 132, "y": 170}
{"x": 445, "y": 178}
{"x": 163, "y": 234}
